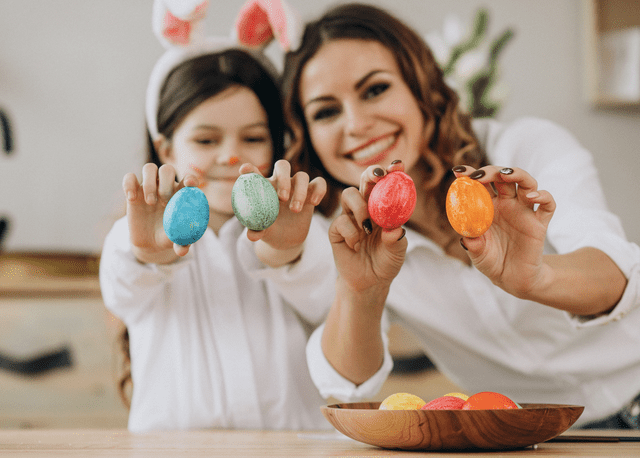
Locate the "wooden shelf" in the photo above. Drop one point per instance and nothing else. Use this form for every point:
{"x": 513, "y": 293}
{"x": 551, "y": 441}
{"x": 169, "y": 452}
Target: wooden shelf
{"x": 601, "y": 17}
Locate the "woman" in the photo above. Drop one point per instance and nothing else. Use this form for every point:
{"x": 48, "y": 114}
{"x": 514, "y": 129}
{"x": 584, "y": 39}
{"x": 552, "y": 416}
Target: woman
{"x": 533, "y": 308}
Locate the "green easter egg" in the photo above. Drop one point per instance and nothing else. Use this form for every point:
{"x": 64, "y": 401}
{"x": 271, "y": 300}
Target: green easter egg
{"x": 255, "y": 201}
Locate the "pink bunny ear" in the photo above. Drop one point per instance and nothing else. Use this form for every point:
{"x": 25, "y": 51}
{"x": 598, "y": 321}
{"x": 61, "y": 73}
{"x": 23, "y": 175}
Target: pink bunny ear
{"x": 259, "y": 21}
{"x": 175, "y": 21}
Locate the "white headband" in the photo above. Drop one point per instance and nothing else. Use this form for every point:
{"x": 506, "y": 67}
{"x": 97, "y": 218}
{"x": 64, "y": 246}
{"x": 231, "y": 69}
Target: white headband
{"x": 178, "y": 26}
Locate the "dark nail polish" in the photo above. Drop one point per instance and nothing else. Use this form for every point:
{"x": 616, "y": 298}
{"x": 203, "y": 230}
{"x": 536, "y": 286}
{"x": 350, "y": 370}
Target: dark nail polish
{"x": 404, "y": 232}
{"x": 378, "y": 172}
{"x": 459, "y": 168}
{"x": 477, "y": 174}
{"x": 367, "y": 226}
{"x": 397, "y": 161}
{"x": 463, "y": 245}
{"x": 506, "y": 171}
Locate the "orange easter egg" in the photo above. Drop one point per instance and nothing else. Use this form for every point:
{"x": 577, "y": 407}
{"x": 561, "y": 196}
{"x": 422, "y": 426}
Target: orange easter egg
{"x": 488, "y": 400}
{"x": 469, "y": 207}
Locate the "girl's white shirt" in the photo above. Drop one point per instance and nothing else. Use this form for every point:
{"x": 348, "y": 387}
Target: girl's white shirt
{"x": 213, "y": 346}
{"x": 484, "y": 339}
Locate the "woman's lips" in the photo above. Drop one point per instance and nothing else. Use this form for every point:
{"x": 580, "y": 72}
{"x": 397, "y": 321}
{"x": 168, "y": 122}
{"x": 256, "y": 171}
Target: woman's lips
{"x": 374, "y": 152}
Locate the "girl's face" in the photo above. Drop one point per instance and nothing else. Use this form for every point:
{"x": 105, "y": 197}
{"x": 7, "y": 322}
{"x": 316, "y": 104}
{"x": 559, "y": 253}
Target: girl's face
{"x": 218, "y": 136}
{"x": 359, "y": 110}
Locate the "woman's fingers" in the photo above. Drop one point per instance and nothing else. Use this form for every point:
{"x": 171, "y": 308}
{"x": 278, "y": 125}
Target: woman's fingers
{"x": 300, "y": 187}
{"x": 317, "y": 190}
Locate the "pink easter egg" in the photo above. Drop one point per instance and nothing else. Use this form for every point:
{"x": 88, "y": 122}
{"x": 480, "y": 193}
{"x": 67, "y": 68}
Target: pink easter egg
{"x": 444, "y": 403}
{"x": 392, "y": 200}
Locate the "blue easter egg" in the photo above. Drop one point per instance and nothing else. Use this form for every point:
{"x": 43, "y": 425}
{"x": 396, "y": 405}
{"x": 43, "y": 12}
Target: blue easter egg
{"x": 254, "y": 201}
{"x": 186, "y": 216}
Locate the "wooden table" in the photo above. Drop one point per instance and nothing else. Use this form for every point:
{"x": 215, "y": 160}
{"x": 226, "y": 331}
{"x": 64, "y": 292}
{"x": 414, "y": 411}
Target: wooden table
{"x": 222, "y": 443}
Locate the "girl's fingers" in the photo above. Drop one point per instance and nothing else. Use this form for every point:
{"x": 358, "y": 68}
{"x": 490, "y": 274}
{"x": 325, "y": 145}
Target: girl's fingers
{"x": 130, "y": 186}
{"x": 150, "y": 183}
{"x": 248, "y": 168}
{"x": 181, "y": 250}
{"x": 317, "y": 190}
{"x": 300, "y": 189}
{"x": 166, "y": 182}
{"x": 281, "y": 179}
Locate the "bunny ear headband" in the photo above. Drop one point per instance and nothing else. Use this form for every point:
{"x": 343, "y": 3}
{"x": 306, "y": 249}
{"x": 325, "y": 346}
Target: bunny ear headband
{"x": 178, "y": 26}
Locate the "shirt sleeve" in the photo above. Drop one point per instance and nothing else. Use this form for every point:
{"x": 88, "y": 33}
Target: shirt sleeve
{"x": 331, "y": 384}
{"x": 308, "y": 285}
{"x": 582, "y": 219}
{"x": 128, "y": 286}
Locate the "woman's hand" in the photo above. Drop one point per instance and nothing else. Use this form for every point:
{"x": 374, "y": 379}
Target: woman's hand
{"x": 146, "y": 202}
{"x": 366, "y": 255}
{"x": 510, "y": 253}
{"x": 282, "y": 242}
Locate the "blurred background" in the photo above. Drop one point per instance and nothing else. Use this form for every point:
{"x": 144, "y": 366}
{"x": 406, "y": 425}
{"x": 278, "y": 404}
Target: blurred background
{"x": 73, "y": 75}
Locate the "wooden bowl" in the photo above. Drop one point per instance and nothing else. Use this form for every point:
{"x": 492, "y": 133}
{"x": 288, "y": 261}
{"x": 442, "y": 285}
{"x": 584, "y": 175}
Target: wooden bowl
{"x": 451, "y": 429}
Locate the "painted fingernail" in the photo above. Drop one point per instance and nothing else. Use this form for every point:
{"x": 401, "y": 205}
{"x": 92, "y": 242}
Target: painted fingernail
{"x": 404, "y": 232}
{"x": 459, "y": 168}
{"x": 367, "y": 226}
{"x": 506, "y": 171}
{"x": 477, "y": 174}
{"x": 463, "y": 245}
{"x": 397, "y": 161}
{"x": 378, "y": 172}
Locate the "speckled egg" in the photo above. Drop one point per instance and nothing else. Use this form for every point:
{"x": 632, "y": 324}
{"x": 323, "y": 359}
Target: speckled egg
{"x": 255, "y": 201}
{"x": 186, "y": 216}
{"x": 392, "y": 200}
{"x": 469, "y": 207}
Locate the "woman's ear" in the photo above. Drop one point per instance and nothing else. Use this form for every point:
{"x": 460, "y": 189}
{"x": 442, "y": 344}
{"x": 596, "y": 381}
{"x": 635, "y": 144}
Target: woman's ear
{"x": 163, "y": 147}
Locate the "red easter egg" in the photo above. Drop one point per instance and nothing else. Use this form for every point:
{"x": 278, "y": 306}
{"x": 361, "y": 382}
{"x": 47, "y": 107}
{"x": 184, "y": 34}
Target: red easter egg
{"x": 444, "y": 403}
{"x": 392, "y": 200}
{"x": 488, "y": 400}
{"x": 469, "y": 207}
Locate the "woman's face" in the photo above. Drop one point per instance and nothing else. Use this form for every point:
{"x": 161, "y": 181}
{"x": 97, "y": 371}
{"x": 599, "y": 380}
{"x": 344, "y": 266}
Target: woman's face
{"x": 218, "y": 136}
{"x": 359, "y": 110}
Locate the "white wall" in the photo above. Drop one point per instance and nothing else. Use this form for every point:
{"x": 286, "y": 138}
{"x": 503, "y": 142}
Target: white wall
{"x": 73, "y": 74}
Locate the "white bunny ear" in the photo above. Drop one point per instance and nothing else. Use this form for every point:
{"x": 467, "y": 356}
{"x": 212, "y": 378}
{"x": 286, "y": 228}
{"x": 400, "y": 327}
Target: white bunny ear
{"x": 177, "y": 22}
{"x": 260, "y": 21}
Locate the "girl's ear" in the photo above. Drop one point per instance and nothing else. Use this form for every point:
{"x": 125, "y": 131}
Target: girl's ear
{"x": 163, "y": 147}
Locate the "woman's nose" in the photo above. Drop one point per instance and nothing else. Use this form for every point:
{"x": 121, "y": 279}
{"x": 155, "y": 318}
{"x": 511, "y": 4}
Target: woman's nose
{"x": 358, "y": 121}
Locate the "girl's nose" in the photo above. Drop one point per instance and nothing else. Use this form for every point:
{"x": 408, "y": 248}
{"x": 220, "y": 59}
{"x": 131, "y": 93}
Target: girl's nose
{"x": 228, "y": 154}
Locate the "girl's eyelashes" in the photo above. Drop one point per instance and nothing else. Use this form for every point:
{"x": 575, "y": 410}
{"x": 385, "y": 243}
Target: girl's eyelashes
{"x": 256, "y": 139}
{"x": 375, "y": 90}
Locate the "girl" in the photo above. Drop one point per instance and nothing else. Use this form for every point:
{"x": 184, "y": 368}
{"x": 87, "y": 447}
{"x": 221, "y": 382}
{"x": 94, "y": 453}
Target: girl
{"x": 540, "y": 309}
{"x": 211, "y": 345}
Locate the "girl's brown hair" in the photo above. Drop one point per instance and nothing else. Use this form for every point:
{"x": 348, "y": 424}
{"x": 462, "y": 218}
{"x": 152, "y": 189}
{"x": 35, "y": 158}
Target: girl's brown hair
{"x": 187, "y": 86}
{"x": 450, "y": 139}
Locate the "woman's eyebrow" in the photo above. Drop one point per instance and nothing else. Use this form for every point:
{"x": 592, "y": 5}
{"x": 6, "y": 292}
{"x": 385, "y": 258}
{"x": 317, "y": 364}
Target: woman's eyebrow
{"x": 361, "y": 82}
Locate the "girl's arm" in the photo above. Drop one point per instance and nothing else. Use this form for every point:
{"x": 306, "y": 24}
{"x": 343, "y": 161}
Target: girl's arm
{"x": 282, "y": 242}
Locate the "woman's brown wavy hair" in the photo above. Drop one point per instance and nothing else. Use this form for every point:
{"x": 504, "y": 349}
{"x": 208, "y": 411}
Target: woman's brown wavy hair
{"x": 450, "y": 139}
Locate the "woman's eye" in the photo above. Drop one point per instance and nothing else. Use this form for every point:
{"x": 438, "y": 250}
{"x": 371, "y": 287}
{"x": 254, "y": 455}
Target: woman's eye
{"x": 375, "y": 90}
{"x": 325, "y": 113}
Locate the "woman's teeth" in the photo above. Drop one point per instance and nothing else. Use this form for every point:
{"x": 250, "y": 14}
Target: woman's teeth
{"x": 373, "y": 149}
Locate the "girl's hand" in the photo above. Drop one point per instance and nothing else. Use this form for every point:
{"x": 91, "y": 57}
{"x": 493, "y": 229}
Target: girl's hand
{"x": 510, "y": 253}
{"x": 282, "y": 242}
{"x": 146, "y": 202}
{"x": 366, "y": 256}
